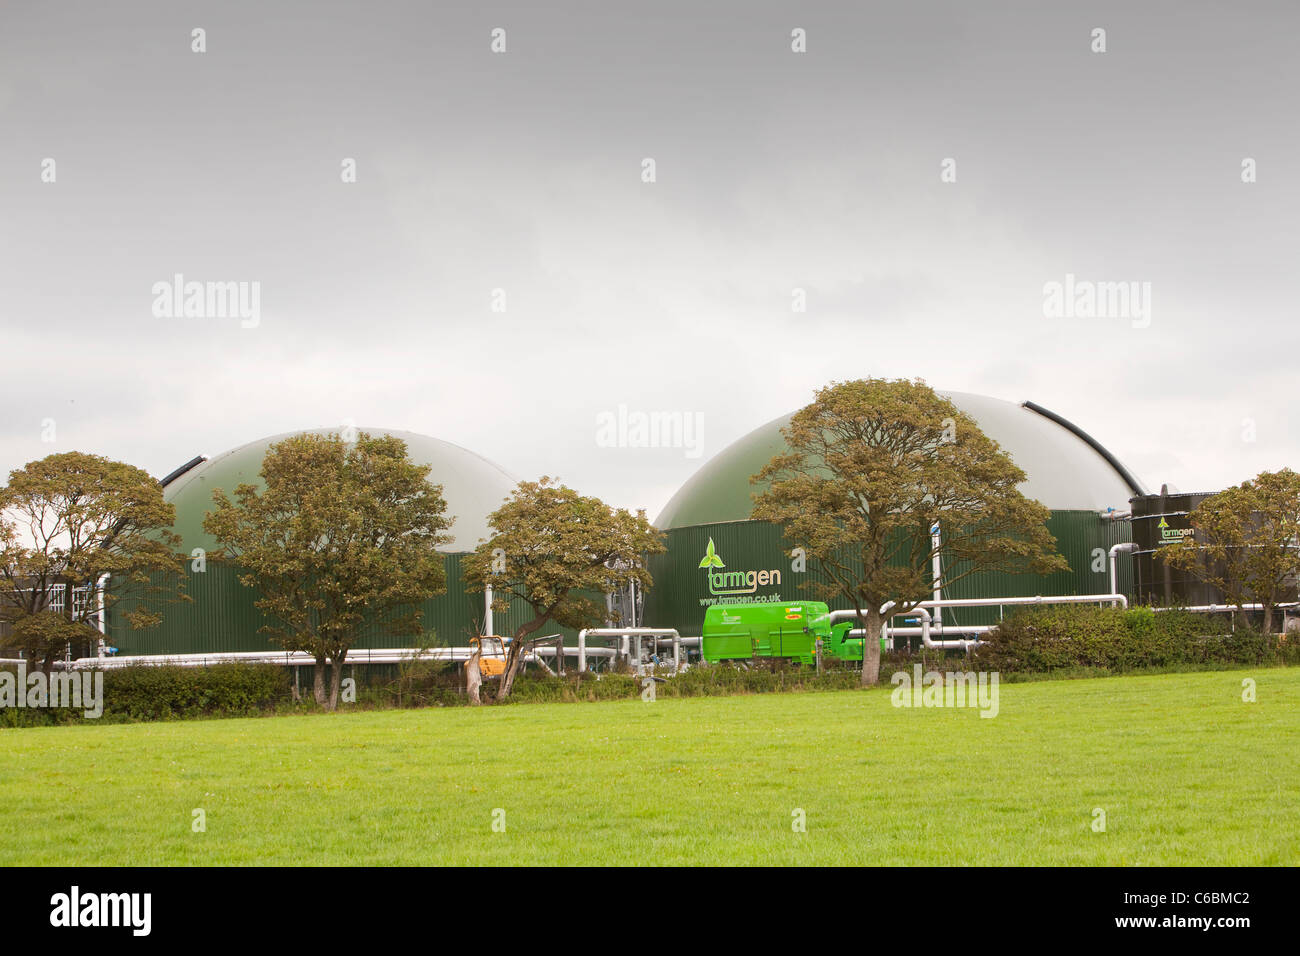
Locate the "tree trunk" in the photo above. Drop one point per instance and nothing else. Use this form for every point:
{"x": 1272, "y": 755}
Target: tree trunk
{"x": 473, "y": 677}
{"x": 336, "y": 680}
{"x": 871, "y": 647}
{"x": 1268, "y": 617}
{"x": 515, "y": 657}
{"x": 318, "y": 682}
{"x": 513, "y": 660}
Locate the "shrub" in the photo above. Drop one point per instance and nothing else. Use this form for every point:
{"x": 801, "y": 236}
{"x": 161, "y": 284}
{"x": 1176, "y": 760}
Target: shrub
{"x": 1063, "y": 637}
{"x": 147, "y": 692}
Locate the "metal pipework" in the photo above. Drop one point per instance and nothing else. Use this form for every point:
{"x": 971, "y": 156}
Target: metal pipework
{"x": 1115, "y": 549}
{"x": 101, "y": 585}
{"x": 1112, "y": 598}
{"x": 924, "y": 615}
{"x": 633, "y": 633}
{"x": 836, "y": 616}
{"x": 1227, "y": 608}
{"x": 379, "y": 655}
{"x": 679, "y": 643}
{"x": 936, "y": 568}
{"x": 922, "y": 611}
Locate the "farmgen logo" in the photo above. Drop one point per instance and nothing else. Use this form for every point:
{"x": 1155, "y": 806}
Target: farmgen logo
{"x": 725, "y": 583}
{"x": 1168, "y": 534}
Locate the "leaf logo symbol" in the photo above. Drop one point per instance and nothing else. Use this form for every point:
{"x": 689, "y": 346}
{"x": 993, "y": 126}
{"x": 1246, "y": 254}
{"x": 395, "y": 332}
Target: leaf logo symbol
{"x": 711, "y": 559}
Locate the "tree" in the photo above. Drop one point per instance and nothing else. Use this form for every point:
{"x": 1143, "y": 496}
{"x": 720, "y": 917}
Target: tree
{"x": 77, "y": 530}
{"x": 551, "y": 550}
{"x": 1245, "y": 541}
{"x": 872, "y": 466}
{"x": 343, "y": 538}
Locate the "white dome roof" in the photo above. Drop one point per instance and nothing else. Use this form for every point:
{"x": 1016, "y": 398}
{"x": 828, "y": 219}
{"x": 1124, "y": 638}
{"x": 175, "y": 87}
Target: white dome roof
{"x": 1064, "y": 471}
{"x": 472, "y": 486}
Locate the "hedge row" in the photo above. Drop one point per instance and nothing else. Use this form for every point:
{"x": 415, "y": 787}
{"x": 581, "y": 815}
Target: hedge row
{"x": 1061, "y": 640}
{"x": 1065, "y": 637}
{"x": 144, "y": 692}
{"x": 168, "y": 692}
{"x": 699, "y": 681}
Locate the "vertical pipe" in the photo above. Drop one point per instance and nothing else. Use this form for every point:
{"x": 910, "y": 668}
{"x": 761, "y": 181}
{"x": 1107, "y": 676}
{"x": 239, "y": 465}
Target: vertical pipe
{"x": 103, "y": 621}
{"x": 1168, "y": 571}
{"x": 1126, "y": 547}
{"x": 935, "y": 568}
{"x": 487, "y": 610}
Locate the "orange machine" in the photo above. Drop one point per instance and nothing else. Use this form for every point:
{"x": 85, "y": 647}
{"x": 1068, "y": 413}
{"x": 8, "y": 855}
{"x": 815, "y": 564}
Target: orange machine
{"x": 492, "y": 660}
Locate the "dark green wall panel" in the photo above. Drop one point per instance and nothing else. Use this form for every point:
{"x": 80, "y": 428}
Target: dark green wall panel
{"x": 222, "y": 617}
{"x": 681, "y": 589}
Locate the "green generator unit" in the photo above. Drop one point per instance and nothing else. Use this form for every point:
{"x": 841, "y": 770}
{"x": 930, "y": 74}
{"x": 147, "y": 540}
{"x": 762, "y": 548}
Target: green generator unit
{"x": 734, "y": 632}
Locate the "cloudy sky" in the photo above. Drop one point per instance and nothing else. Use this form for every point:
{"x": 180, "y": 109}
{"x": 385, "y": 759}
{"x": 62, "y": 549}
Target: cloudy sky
{"x": 519, "y": 178}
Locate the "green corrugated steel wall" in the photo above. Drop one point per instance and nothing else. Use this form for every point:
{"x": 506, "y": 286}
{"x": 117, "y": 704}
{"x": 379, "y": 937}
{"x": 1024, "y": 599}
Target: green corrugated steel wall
{"x": 681, "y": 593}
{"x": 222, "y": 617}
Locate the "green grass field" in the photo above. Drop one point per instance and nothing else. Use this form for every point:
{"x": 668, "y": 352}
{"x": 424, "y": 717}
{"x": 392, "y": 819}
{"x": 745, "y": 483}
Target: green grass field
{"x": 1185, "y": 771}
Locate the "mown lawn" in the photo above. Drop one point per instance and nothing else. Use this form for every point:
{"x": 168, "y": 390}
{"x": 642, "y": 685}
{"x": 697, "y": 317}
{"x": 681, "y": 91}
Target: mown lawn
{"x": 1186, "y": 772}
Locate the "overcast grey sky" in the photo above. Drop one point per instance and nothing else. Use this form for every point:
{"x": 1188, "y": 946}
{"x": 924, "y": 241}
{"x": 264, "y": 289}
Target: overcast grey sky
{"x": 522, "y": 171}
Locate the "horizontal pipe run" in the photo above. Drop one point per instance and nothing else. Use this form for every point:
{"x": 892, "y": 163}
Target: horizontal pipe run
{"x": 922, "y": 610}
{"x": 1227, "y": 608}
{"x": 1112, "y": 598}
{"x": 384, "y": 655}
{"x": 624, "y": 633}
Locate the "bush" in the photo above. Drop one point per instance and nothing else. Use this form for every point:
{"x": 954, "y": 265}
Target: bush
{"x": 167, "y": 692}
{"x": 146, "y": 692}
{"x": 1064, "y": 637}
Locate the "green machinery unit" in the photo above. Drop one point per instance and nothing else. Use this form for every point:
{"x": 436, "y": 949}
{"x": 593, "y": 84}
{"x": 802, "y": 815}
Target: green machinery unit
{"x": 786, "y": 630}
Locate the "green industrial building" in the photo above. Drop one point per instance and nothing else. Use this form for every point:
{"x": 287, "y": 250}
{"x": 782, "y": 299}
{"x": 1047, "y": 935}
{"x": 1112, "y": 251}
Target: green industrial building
{"x": 1084, "y": 486}
{"x": 222, "y": 618}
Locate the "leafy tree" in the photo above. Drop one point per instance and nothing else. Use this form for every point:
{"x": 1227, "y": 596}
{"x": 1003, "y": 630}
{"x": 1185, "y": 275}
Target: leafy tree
{"x": 551, "y": 550}
{"x": 66, "y": 522}
{"x": 1246, "y": 542}
{"x": 872, "y": 466}
{"x": 343, "y": 537}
